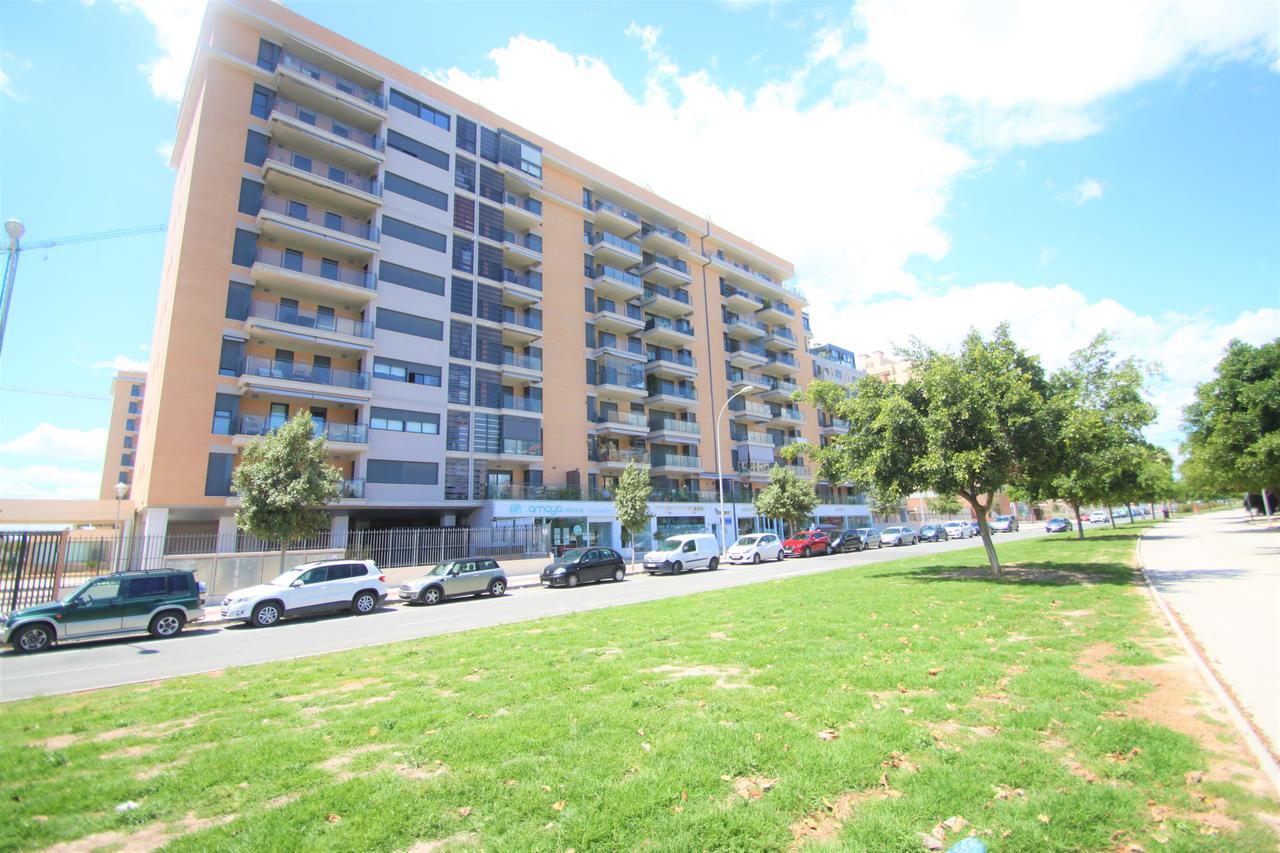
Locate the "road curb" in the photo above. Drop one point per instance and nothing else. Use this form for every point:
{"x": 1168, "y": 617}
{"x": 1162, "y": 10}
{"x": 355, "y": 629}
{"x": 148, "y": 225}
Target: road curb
{"x": 1261, "y": 754}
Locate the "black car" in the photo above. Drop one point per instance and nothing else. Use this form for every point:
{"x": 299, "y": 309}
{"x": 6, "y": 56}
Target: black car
{"x": 1057, "y": 525}
{"x": 933, "y": 533}
{"x": 582, "y": 565}
{"x": 847, "y": 540}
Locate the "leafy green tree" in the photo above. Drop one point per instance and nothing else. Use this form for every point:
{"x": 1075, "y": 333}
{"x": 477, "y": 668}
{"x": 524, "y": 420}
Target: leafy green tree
{"x": 631, "y": 502}
{"x": 284, "y": 482}
{"x": 1155, "y": 478}
{"x": 885, "y": 506}
{"x": 944, "y": 505}
{"x": 965, "y": 424}
{"x": 787, "y": 497}
{"x": 1233, "y": 427}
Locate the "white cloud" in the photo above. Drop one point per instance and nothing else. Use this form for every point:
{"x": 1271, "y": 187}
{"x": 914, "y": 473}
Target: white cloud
{"x": 121, "y": 362}
{"x": 1085, "y": 191}
{"x": 62, "y": 443}
{"x": 177, "y": 26}
{"x": 49, "y": 482}
{"x": 6, "y": 88}
{"x": 164, "y": 150}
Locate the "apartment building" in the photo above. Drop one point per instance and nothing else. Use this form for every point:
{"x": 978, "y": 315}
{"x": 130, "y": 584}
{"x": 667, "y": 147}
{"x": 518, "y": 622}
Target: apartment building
{"x": 885, "y": 368}
{"x": 128, "y": 388}
{"x": 486, "y": 327}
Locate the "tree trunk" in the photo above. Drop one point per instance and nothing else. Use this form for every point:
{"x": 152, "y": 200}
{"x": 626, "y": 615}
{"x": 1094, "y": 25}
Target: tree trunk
{"x": 1130, "y": 511}
{"x": 1266, "y": 504}
{"x": 980, "y": 512}
{"x": 1079, "y": 521}
{"x": 1111, "y": 517}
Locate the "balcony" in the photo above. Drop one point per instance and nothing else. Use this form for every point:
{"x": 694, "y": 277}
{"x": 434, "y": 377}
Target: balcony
{"x": 669, "y": 365}
{"x": 753, "y": 438}
{"x": 340, "y": 439}
{"x": 524, "y": 405}
{"x": 743, "y": 329}
{"x": 739, "y": 301}
{"x": 671, "y": 395}
{"x": 617, "y": 319}
{"x": 521, "y": 210}
{"x": 665, "y": 270}
{"x": 833, "y": 426}
{"x": 654, "y": 236}
{"x": 776, "y": 312}
{"x": 321, "y": 231}
{"x": 523, "y": 287}
{"x": 781, "y": 338}
{"x": 665, "y": 300}
{"x": 521, "y": 368}
{"x": 621, "y": 384}
{"x": 616, "y": 284}
{"x": 752, "y": 412}
{"x": 303, "y": 128}
{"x": 518, "y": 449}
{"x": 672, "y": 431}
{"x": 349, "y": 490}
{"x": 287, "y": 325}
{"x": 632, "y": 424}
{"x": 520, "y": 328}
{"x": 287, "y": 377}
{"x": 685, "y": 496}
{"x": 779, "y": 390}
{"x": 521, "y": 249}
{"x": 755, "y": 471}
{"x": 632, "y": 355}
{"x": 740, "y": 380}
{"x": 315, "y": 280}
{"x": 307, "y": 82}
{"x": 616, "y": 458}
{"x": 787, "y": 415}
{"x": 615, "y": 251}
{"x": 666, "y": 332}
{"x": 296, "y": 175}
{"x": 617, "y": 218}
{"x": 744, "y": 355}
{"x": 780, "y": 364}
{"x": 754, "y": 280}
{"x": 676, "y": 463}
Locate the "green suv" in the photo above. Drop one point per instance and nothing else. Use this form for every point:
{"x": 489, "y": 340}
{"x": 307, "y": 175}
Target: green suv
{"x": 159, "y": 603}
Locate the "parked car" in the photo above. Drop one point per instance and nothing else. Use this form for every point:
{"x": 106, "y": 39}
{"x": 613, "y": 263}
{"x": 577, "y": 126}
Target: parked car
{"x": 477, "y": 576}
{"x": 1004, "y": 524}
{"x": 683, "y": 553}
{"x": 958, "y": 529}
{"x": 580, "y": 565}
{"x": 847, "y": 540}
{"x": 974, "y": 528}
{"x": 323, "y": 586}
{"x": 806, "y": 543}
{"x": 934, "y": 533}
{"x": 1057, "y": 525}
{"x": 1098, "y": 516}
{"x": 158, "y": 603}
{"x": 870, "y": 537}
{"x": 899, "y": 536}
{"x": 755, "y": 548}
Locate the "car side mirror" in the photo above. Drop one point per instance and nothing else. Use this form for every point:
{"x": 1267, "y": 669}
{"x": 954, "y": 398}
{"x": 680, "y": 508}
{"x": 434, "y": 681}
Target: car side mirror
{"x": 75, "y": 602}
{"x": 296, "y": 584}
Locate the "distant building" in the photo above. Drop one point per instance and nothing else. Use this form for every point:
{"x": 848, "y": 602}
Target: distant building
{"x": 885, "y": 369}
{"x": 127, "y": 390}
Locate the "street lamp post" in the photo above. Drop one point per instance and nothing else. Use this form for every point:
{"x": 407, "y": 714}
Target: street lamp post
{"x": 15, "y": 230}
{"x": 122, "y": 489}
{"x": 719, "y": 475}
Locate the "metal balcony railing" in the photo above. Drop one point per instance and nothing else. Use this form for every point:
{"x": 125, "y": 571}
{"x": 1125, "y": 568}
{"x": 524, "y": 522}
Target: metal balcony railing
{"x": 328, "y": 171}
{"x": 333, "y": 81}
{"x": 310, "y": 266}
{"x": 320, "y": 322}
{"x": 270, "y": 368}
{"x": 325, "y": 219}
{"x": 306, "y": 115}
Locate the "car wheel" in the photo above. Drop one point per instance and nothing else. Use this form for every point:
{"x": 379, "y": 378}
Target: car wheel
{"x": 33, "y": 638}
{"x": 807, "y": 552}
{"x": 755, "y": 560}
{"x": 677, "y": 567}
{"x": 265, "y": 614}
{"x": 880, "y": 544}
{"x": 619, "y": 575}
{"x": 714, "y": 564}
{"x": 497, "y": 587}
{"x": 431, "y": 595}
{"x": 168, "y": 624}
{"x": 363, "y": 603}
{"x": 571, "y": 580}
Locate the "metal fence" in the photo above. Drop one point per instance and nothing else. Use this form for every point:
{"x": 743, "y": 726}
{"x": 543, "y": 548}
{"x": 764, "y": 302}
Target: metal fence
{"x": 31, "y": 565}
{"x": 392, "y": 549}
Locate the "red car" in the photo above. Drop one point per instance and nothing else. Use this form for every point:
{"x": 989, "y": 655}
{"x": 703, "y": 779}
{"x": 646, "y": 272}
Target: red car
{"x": 806, "y": 543}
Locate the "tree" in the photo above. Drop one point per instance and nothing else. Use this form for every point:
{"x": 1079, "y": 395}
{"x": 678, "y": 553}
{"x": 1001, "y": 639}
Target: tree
{"x": 284, "y": 482}
{"x": 787, "y": 497}
{"x": 1155, "y": 478}
{"x": 1233, "y": 427}
{"x": 965, "y": 424}
{"x": 631, "y": 502}
{"x": 885, "y": 506}
{"x": 944, "y": 505}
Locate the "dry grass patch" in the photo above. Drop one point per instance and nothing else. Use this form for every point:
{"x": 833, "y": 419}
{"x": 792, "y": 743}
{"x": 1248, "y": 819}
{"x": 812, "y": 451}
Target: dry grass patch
{"x": 153, "y": 836}
{"x": 823, "y": 826}
{"x": 726, "y": 677}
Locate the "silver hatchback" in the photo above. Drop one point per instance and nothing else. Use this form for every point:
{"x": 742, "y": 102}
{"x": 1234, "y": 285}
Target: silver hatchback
{"x": 474, "y": 576}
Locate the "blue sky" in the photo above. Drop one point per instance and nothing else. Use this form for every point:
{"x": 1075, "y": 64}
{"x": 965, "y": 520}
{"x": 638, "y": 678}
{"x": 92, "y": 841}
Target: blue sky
{"x": 926, "y": 169}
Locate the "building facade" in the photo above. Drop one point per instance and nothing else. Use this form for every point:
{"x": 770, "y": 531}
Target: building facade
{"x": 885, "y": 368}
{"x": 486, "y": 327}
{"x": 128, "y": 390}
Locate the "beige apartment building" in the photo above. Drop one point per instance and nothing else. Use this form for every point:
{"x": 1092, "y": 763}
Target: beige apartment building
{"x": 885, "y": 368}
{"x": 128, "y": 388}
{"x": 486, "y": 327}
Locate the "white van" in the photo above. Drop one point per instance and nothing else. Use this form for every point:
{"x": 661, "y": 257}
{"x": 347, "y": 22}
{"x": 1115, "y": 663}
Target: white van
{"x": 683, "y": 553}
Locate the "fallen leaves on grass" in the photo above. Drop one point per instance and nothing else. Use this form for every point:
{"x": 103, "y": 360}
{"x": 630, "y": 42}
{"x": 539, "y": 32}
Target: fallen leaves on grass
{"x": 559, "y": 805}
{"x": 828, "y": 734}
{"x": 333, "y": 818}
{"x": 1004, "y": 792}
{"x": 824, "y": 825}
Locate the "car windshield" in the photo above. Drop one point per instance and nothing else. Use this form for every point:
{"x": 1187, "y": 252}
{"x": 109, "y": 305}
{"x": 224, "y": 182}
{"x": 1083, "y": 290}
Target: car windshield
{"x": 891, "y": 530}
{"x": 440, "y": 569}
{"x": 668, "y": 545}
{"x": 287, "y": 578}
{"x": 572, "y": 556}
{"x": 863, "y": 531}
{"x": 747, "y": 541}
{"x": 1003, "y": 517}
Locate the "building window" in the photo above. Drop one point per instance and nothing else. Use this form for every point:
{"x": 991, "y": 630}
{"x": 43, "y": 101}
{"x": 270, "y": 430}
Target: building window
{"x": 409, "y": 324}
{"x": 420, "y": 150}
{"x": 424, "y": 237}
{"x": 128, "y": 442}
{"x": 464, "y": 174}
{"x": 125, "y": 477}
{"x": 396, "y": 472}
{"x": 239, "y": 300}
{"x": 244, "y": 248}
{"x": 131, "y": 425}
{"x": 402, "y": 420}
{"x": 255, "y": 147}
{"x": 262, "y": 100}
{"x": 466, "y": 135}
{"x": 135, "y": 408}
{"x": 406, "y": 371}
{"x": 217, "y": 477}
{"x": 416, "y": 191}
{"x": 409, "y": 277}
{"x": 250, "y": 197}
{"x": 413, "y": 106}
{"x": 126, "y": 459}
{"x": 135, "y": 391}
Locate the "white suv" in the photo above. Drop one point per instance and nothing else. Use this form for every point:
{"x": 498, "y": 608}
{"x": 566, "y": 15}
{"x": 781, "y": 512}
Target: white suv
{"x": 354, "y": 585}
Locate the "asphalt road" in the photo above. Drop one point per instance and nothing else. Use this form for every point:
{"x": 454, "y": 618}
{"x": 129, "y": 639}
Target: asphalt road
{"x": 203, "y": 648}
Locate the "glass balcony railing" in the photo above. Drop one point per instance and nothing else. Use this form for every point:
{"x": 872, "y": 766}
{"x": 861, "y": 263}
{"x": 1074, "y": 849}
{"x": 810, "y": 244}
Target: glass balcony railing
{"x": 686, "y": 495}
{"x": 753, "y": 467}
{"x": 296, "y": 262}
{"x": 676, "y": 460}
{"x": 266, "y": 424}
{"x": 270, "y": 368}
{"x": 604, "y": 270}
{"x": 781, "y": 385}
{"x": 743, "y": 322}
{"x": 788, "y": 414}
{"x": 524, "y": 362}
{"x": 780, "y": 307}
{"x": 782, "y": 332}
{"x": 729, "y": 290}
{"x": 604, "y": 237}
{"x": 670, "y": 389}
{"x": 678, "y": 236}
{"x": 680, "y": 359}
{"x": 622, "y": 377}
{"x": 521, "y": 404}
{"x": 324, "y": 218}
{"x": 752, "y": 437}
{"x": 631, "y": 419}
{"x": 670, "y": 263}
{"x": 351, "y": 489}
{"x": 524, "y": 492}
{"x": 531, "y": 279}
{"x": 684, "y": 327}
{"x": 327, "y": 123}
{"x": 320, "y": 322}
{"x": 333, "y": 81}
{"x": 618, "y": 211}
{"x": 328, "y": 171}
{"x": 521, "y": 447}
{"x": 532, "y": 242}
{"x": 670, "y": 425}
{"x": 750, "y": 408}
{"x": 652, "y": 290}
{"x": 523, "y": 202}
{"x": 528, "y": 321}
{"x": 783, "y": 358}
{"x": 619, "y": 456}
{"x": 753, "y": 349}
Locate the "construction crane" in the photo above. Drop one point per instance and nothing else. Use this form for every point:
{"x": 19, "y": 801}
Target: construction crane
{"x": 15, "y": 229}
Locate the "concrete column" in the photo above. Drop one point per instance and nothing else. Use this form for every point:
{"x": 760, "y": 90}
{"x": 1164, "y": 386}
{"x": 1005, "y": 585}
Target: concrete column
{"x": 155, "y": 524}
{"x": 338, "y": 531}
{"x": 226, "y": 535}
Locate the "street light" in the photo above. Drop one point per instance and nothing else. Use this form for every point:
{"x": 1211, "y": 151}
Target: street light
{"x": 122, "y": 489}
{"x": 15, "y": 230}
{"x": 719, "y": 475}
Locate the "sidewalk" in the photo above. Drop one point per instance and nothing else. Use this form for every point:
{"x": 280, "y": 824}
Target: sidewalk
{"x": 1221, "y": 576}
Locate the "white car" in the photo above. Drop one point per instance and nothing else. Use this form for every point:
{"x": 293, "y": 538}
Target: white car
{"x": 755, "y": 548}
{"x": 958, "y": 529}
{"x": 1098, "y": 517}
{"x": 328, "y": 585}
{"x": 683, "y": 553}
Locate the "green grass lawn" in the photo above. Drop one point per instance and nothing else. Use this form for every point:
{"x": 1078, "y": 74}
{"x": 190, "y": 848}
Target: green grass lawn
{"x": 855, "y": 709}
